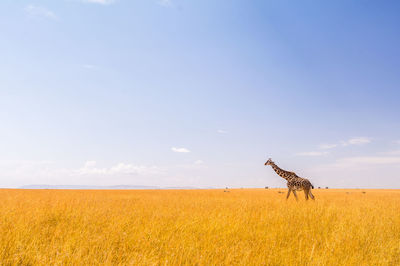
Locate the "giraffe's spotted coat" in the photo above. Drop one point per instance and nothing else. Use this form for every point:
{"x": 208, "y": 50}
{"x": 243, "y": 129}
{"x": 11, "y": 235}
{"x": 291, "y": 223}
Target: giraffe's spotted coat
{"x": 294, "y": 182}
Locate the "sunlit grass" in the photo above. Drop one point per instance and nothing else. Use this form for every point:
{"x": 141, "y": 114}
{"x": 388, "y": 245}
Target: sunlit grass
{"x": 207, "y": 227}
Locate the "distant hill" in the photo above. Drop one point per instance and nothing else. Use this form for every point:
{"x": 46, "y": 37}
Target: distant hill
{"x": 43, "y": 186}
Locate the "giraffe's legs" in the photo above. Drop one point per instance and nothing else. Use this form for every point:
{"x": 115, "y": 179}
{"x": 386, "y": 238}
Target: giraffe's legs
{"x": 288, "y": 193}
{"x": 311, "y": 195}
{"x": 295, "y": 195}
{"x": 306, "y": 191}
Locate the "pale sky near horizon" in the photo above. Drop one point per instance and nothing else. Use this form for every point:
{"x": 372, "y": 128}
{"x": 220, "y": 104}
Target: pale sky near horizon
{"x": 199, "y": 93}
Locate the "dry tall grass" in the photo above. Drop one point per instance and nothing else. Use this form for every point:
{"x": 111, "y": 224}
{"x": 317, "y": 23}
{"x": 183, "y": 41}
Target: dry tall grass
{"x": 206, "y": 227}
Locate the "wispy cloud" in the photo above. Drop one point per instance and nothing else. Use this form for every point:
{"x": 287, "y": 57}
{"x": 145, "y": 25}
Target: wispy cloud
{"x": 327, "y": 146}
{"x": 344, "y": 143}
{"x": 368, "y": 160}
{"x": 359, "y": 171}
{"x": 34, "y": 11}
{"x": 221, "y": 131}
{"x": 100, "y": 2}
{"x": 91, "y": 168}
{"x": 359, "y": 163}
{"x": 22, "y": 172}
{"x": 397, "y": 141}
{"x": 183, "y": 150}
{"x": 165, "y": 3}
{"x": 312, "y": 153}
{"x": 198, "y": 162}
{"x": 356, "y": 141}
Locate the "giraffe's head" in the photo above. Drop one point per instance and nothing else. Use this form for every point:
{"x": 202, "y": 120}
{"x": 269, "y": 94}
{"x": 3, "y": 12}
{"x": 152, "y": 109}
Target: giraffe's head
{"x": 269, "y": 162}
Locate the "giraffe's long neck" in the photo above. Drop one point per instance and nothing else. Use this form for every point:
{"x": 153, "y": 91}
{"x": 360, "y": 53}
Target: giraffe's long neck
{"x": 282, "y": 173}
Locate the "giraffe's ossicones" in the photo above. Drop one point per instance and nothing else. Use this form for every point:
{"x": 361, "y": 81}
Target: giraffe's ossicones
{"x": 294, "y": 182}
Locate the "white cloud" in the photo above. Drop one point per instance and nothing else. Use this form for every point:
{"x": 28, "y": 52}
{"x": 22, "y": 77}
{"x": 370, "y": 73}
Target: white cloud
{"x": 327, "y": 146}
{"x": 100, "y": 2}
{"x": 19, "y": 173}
{"x": 165, "y": 2}
{"x": 352, "y": 141}
{"x": 221, "y": 131}
{"x": 357, "y": 172}
{"x": 312, "y": 153}
{"x": 366, "y": 160}
{"x": 90, "y": 168}
{"x": 184, "y": 150}
{"x": 356, "y": 141}
{"x": 90, "y": 164}
{"x": 39, "y": 12}
{"x": 15, "y": 173}
{"x": 130, "y": 169}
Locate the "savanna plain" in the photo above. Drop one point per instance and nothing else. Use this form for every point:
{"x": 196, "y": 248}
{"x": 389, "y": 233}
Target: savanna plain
{"x": 201, "y": 227}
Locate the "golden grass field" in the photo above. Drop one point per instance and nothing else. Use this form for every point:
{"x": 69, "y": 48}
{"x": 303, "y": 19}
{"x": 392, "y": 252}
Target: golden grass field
{"x": 204, "y": 227}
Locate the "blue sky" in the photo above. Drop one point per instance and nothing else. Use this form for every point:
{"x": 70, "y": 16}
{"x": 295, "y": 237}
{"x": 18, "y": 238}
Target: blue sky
{"x": 199, "y": 93}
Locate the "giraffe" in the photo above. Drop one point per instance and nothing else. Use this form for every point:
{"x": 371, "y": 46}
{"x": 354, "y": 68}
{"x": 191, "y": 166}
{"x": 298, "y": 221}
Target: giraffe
{"x": 294, "y": 183}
